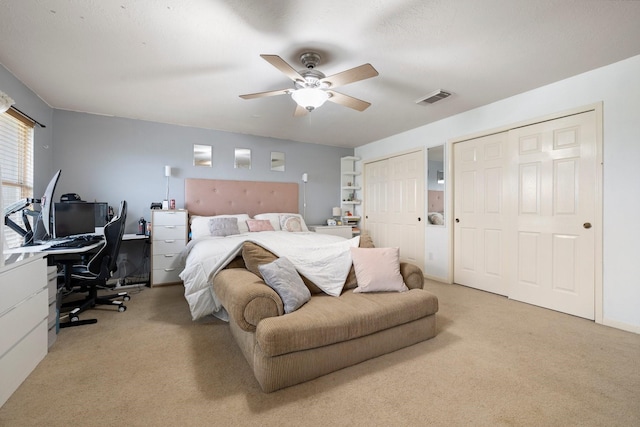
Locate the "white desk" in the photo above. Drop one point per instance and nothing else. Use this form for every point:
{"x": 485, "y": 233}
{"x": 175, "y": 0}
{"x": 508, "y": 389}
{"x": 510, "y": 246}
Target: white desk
{"x": 44, "y": 248}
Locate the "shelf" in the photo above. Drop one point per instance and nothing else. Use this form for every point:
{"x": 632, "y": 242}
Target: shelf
{"x": 352, "y": 173}
{"x": 352, "y": 202}
{"x": 351, "y": 188}
{"x": 352, "y": 158}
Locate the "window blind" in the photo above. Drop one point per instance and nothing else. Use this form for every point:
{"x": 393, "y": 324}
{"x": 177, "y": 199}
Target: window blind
{"x": 16, "y": 161}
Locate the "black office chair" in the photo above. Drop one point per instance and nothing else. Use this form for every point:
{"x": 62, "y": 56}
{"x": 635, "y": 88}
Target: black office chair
{"x": 94, "y": 275}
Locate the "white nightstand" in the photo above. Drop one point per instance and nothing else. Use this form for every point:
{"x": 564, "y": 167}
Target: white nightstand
{"x": 345, "y": 231}
{"x": 168, "y": 238}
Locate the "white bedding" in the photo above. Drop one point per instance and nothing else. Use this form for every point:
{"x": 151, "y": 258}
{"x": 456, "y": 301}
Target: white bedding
{"x": 324, "y": 259}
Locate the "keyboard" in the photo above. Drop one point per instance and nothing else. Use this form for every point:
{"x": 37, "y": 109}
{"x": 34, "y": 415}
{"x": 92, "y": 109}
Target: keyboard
{"x": 77, "y": 242}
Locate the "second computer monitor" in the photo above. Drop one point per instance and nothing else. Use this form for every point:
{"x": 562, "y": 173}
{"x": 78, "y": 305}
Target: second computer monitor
{"x": 73, "y": 218}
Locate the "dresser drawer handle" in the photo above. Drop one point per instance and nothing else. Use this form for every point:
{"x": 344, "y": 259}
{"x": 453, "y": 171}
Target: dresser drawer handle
{"x": 169, "y": 269}
{"x": 169, "y": 255}
{"x": 169, "y": 226}
{"x": 170, "y": 241}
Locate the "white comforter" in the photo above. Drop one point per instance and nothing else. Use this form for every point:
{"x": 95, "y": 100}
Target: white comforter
{"x": 322, "y": 258}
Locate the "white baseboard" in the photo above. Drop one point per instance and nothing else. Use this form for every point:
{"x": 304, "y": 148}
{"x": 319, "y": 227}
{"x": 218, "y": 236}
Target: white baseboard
{"x": 621, "y": 325}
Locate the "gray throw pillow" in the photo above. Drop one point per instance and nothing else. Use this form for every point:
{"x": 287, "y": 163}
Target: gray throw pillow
{"x": 223, "y": 226}
{"x": 281, "y": 275}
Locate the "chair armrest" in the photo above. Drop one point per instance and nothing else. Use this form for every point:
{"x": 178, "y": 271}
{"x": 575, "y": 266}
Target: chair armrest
{"x": 412, "y": 275}
{"x": 246, "y": 297}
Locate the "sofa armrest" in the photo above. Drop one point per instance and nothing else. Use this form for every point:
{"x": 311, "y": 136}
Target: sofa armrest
{"x": 412, "y": 275}
{"x": 246, "y": 297}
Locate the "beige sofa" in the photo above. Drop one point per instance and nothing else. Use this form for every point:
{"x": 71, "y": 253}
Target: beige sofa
{"x": 327, "y": 333}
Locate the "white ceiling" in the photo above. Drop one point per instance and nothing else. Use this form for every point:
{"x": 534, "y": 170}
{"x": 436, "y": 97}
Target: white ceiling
{"x": 186, "y": 61}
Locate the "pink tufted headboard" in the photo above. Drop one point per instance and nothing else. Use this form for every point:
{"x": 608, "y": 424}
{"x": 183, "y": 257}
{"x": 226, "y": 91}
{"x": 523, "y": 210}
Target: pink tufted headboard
{"x": 219, "y": 197}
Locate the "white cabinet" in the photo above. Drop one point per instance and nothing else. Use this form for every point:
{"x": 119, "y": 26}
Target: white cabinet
{"x": 24, "y": 310}
{"x": 168, "y": 238}
{"x": 350, "y": 193}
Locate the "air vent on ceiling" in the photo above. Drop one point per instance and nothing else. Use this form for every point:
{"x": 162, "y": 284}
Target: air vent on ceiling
{"x": 434, "y": 97}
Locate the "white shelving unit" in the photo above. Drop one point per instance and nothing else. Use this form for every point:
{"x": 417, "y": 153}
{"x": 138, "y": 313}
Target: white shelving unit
{"x": 350, "y": 200}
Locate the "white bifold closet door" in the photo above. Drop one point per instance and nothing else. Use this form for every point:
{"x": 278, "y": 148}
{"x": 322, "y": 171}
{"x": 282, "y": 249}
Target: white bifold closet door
{"x": 525, "y": 206}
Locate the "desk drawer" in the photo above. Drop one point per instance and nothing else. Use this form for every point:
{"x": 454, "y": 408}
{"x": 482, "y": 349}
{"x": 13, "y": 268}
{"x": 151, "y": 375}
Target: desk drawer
{"x": 17, "y": 322}
{"x": 17, "y": 363}
{"x": 169, "y": 232}
{"x": 16, "y": 284}
{"x": 162, "y": 247}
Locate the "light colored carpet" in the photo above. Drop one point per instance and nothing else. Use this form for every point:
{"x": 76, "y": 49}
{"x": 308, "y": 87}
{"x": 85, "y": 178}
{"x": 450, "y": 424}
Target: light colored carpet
{"x": 494, "y": 362}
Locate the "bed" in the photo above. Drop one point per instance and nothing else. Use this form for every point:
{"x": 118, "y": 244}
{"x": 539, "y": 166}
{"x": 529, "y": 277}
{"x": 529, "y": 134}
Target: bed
{"x": 225, "y": 214}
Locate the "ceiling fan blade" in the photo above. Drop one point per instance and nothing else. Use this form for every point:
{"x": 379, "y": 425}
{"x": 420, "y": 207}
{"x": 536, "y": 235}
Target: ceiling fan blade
{"x": 348, "y": 101}
{"x": 356, "y": 74}
{"x": 300, "y": 111}
{"x": 264, "y": 94}
{"x": 285, "y": 68}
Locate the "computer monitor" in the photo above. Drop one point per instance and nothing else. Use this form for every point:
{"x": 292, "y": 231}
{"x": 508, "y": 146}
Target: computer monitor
{"x": 73, "y": 218}
{"x": 102, "y": 213}
{"x": 46, "y": 213}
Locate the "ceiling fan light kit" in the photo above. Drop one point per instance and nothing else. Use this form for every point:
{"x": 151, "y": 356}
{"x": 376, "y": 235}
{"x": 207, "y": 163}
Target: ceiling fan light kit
{"x": 311, "y": 87}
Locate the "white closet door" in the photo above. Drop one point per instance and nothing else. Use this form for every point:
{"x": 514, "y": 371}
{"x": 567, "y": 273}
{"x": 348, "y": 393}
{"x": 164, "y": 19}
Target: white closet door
{"x": 406, "y": 222}
{"x": 554, "y": 172}
{"x": 394, "y": 205}
{"x": 481, "y": 202}
{"x": 376, "y": 212}
{"x": 525, "y": 206}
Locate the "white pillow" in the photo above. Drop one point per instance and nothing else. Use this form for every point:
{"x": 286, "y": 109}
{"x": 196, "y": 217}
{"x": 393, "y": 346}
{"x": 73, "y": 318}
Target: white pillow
{"x": 275, "y": 219}
{"x": 200, "y": 224}
{"x": 377, "y": 270}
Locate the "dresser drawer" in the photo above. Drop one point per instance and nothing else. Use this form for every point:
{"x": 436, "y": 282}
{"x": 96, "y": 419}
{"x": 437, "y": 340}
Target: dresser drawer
{"x": 169, "y": 218}
{"x": 166, "y": 261}
{"x": 169, "y": 232}
{"x": 161, "y": 247}
{"x": 162, "y": 276}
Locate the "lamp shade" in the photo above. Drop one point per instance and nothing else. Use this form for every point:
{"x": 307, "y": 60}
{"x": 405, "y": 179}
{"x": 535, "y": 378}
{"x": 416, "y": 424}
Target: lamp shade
{"x": 5, "y": 102}
{"x": 337, "y": 211}
{"x": 310, "y": 98}
{"x": 167, "y": 171}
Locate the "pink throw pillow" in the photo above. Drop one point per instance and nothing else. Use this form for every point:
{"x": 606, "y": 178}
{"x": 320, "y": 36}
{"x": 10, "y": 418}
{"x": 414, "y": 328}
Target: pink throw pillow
{"x": 377, "y": 270}
{"x": 259, "y": 225}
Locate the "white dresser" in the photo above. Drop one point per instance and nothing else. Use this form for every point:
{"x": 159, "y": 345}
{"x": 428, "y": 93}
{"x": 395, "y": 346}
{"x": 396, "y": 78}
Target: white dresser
{"x": 168, "y": 237}
{"x": 24, "y": 312}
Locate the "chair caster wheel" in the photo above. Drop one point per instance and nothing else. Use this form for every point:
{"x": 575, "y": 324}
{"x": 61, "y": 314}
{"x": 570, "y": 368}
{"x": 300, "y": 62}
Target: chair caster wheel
{"x": 126, "y": 298}
{"x": 74, "y": 319}
{"x": 122, "y": 308}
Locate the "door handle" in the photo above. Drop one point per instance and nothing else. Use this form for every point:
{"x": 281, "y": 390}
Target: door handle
{"x": 457, "y": 219}
{"x": 587, "y": 225}
{"x": 419, "y": 219}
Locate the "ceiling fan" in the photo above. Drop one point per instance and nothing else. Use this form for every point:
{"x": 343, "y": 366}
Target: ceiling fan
{"x": 312, "y": 88}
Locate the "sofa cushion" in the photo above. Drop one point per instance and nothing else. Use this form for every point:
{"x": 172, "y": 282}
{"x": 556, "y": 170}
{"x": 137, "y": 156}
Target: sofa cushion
{"x": 282, "y": 277}
{"x": 377, "y": 270}
{"x": 326, "y": 320}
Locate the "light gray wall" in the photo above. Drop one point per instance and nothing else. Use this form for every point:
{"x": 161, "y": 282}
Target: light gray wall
{"x": 110, "y": 159}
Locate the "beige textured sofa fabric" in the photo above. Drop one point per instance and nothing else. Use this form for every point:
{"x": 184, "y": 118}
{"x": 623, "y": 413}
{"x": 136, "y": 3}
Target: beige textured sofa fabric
{"x": 327, "y": 333}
